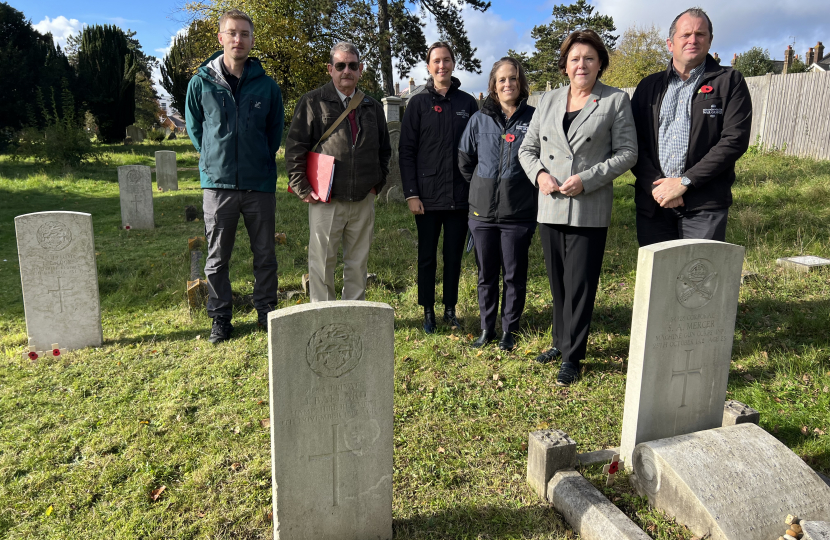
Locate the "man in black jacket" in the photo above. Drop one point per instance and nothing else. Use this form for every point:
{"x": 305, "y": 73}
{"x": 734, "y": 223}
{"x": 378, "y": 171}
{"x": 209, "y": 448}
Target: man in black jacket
{"x": 693, "y": 122}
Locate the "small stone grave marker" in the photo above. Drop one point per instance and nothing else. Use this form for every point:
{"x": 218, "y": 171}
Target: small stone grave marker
{"x": 685, "y": 303}
{"x": 804, "y": 263}
{"x": 732, "y": 483}
{"x": 167, "y": 178}
{"x": 60, "y": 281}
{"x": 136, "y": 188}
{"x": 331, "y": 384}
{"x": 135, "y": 133}
{"x": 393, "y": 190}
{"x": 611, "y": 469}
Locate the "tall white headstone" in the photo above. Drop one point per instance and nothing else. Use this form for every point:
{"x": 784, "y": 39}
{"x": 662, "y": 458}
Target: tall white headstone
{"x": 60, "y": 279}
{"x": 332, "y": 384}
{"x": 135, "y": 185}
{"x": 685, "y": 302}
{"x": 167, "y": 177}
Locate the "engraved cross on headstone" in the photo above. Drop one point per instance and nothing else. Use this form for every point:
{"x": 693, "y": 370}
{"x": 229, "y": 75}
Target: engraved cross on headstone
{"x": 135, "y": 200}
{"x": 60, "y": 290}
{"x": 335, "y": 435}
{"x": 685, "y": 374}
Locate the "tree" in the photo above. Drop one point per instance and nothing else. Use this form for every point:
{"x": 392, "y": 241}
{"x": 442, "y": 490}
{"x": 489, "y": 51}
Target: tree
{"x": 797, "y": 66}
{"x": 542, "y": 66}
{"x": 30, "y": 61}
{"x": 642, "y": 51}
{"x": 186, "y": 53}
{"x": 107, "y": 68}
{"x": 754, "y": 62}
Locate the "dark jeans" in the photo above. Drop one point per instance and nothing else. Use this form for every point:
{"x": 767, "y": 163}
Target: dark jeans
{"x": 502, "y": 247}
{"x": 573, "y": 257}
{"x": 222, "y": 209}
{"x": 677, "y": 224}
{"x": 429, "y": 226}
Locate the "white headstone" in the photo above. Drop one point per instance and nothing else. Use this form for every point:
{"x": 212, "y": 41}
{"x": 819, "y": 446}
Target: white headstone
{"x": 331, "y": 382}
{"x": 804, "y": 263}
{"x": 60, "y": 279}
{"x": 167, "y": 177}
{"x": 685, "y": 302}
{"x": 136, "y": 188}
{"x": 732, "y": 483}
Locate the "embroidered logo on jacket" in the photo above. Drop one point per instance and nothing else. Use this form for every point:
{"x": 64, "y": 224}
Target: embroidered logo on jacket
{"x": 463, "y": 114}
{"x": 712, "y": 111}
{"x": 257, "y": 104}
{"x": 522, "y": 127}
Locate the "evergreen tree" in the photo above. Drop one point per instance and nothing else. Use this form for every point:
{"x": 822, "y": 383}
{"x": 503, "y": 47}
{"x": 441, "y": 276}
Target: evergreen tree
{"x": 754, "y": 62}
{"x": 542, "y": 65}
{"x": 107, "y": 68}
{"x": 187, "y": 52}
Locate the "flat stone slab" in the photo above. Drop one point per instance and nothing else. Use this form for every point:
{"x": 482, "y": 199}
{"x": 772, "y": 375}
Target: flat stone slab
{"x": 588, "y": 511}
{"x": 683, "y": 325}
{"x": 597, "y": 456}
{"x": 332, "y": 384}
{"x": 60, "y": 279}
{"x": 815, "y": 530}
{"x": 733, "y": 483}
{"x": 804, "y": 263}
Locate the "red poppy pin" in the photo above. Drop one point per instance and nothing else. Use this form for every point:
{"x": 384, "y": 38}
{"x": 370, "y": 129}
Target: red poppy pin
{"x": 705, "y": 89}
{"x": 437, "y": 108}
{"x": 509, "y": 137}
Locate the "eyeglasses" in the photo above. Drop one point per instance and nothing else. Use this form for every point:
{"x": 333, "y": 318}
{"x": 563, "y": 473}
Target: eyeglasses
{"x": 232, "y": 34}
{"x": 340, "y": 66}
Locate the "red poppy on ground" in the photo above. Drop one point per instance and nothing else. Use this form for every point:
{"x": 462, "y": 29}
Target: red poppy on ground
{"x": 615, "y": 466}
{"x": 437, "y": 108}
{"x": 127, "y": 227}
{"x": 56, "y": 352}
{"x": 705, "y": 89}
{"x": 33, "y": 355}
{"x": 509, "y": 137}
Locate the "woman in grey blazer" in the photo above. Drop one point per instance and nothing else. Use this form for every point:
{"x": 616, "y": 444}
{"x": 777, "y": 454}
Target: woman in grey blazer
{"x": 581, "y": 138}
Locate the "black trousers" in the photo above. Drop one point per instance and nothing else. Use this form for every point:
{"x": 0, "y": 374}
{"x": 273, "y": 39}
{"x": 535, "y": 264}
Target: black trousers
{"x": 454, "y": 223}
{"x": 502, "y": 247}
{"x": 677, "y": 224}
{"x": 573, "y": 258}
{"x": 222, "y": 210}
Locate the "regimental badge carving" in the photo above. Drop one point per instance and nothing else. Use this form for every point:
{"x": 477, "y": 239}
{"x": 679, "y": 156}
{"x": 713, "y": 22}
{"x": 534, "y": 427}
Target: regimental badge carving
{"x": 54, "y": 236}
{"x": 697, "y": 284}
{"x": 133, "y": 177}
{"x": 334, "y": 350}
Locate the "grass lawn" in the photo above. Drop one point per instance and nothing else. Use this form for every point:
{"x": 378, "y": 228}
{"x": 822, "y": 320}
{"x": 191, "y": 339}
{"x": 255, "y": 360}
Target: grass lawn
{"x": 87, "y": 438}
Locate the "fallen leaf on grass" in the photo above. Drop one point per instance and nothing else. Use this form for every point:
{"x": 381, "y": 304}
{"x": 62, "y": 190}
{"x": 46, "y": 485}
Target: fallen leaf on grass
{"x": 49, "y": 510}
{"x": 470, "y": 336}
{"x": 818, "y": 431}
{"x": 495, "y": 376}
{"x": 454, "y": 337}
{"x": 529, "y": 392}
{"x": 156, "y": 493}
{"x": 441, "y": 450}
{"x": 479, "y": 353}
{"x": 501, "y": 384}
{"x": 201, "y": 514}
{"x": 236, "y": 466}
{"x": 265, "y": 422}
{"x": 236, "y": 430}
{"x": 805, "y": 430}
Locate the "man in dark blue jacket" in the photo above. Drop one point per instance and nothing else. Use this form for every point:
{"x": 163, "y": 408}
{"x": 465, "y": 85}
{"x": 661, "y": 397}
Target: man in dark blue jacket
{"x": 235, "y": 118}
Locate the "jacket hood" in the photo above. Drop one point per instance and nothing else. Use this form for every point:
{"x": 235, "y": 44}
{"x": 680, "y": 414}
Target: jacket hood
{"x": 454, "y": 85}
{"x": 492, "y": 108}
{"x": 211, "y": 69}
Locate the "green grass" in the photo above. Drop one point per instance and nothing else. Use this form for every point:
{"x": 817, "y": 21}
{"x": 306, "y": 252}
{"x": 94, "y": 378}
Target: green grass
{"x": 85, "y": 439}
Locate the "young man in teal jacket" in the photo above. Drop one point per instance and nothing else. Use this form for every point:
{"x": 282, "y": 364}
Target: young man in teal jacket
{"x": 235, "y": 116}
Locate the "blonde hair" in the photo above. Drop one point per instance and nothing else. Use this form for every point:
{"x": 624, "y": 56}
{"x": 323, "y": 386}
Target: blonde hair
{"x": 235, "y": 14}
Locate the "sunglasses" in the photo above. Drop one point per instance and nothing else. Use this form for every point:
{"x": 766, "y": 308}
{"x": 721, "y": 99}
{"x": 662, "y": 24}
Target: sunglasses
{"x": 340, "y": 66}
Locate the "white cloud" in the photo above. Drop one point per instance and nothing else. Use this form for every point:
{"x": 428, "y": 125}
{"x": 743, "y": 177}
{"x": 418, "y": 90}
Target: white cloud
{"x": 60, "y": 27}
{"x": 163, "y": 51}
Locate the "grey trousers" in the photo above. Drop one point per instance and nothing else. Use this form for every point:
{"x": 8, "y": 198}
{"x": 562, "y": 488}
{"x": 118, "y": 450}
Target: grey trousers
{"x": 222, "y": 208}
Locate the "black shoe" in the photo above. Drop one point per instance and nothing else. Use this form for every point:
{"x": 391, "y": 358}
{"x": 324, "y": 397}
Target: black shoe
{"x": 507, "y": 341}
{"x": 429, "y": 320}
{"x": 568, "y": 374}
{"x": 262, "y": 318}
{"x": 221, "y": 330}
{"x": 449, "y": 317}
{"x": 549, "y": 355}
{"x": 486, "y": 337}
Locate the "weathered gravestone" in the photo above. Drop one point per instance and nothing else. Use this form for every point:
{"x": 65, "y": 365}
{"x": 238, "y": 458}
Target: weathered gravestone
{"x": 803, "y": 263}
{"x": 136, "y": 188}
{"x": 393, "y": 190}
{"x": 331, "y": 383}
{"x": 685, "y": 301}
{"x": 167, "y": 177}
{"x": 135, "y": 133}
{"x": 815, "y": 530}
{"x": 731, "y": 483}
{"x": 60, "y": 279}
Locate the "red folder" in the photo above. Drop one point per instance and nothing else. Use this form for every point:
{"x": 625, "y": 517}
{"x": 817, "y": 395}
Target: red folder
{"x": 320, "y": 173}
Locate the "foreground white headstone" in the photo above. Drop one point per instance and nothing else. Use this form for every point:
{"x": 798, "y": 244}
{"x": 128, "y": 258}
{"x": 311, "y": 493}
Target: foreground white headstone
{"x": 731, "y": 483}
{"x": 332, "y": 383}
{"x": 685, "y": 302}
{"x": 135, "y": 185}
{"x": 60, "y": 280}
{"x": 167, "y": 176}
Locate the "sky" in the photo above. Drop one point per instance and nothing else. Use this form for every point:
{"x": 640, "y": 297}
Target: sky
{"x": 738, "y": 26}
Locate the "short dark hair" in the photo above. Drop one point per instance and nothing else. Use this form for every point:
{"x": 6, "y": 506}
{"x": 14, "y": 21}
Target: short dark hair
{"x": 440, "y": 45}
{"x": 585, "y": 37}
{"x": 524, "y": 87}
{"x": 235, "y": 14}
{"x": 694, "y": 12}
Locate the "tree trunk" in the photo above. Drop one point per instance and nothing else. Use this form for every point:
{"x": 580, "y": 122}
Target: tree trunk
{"x": 385, "y": 48}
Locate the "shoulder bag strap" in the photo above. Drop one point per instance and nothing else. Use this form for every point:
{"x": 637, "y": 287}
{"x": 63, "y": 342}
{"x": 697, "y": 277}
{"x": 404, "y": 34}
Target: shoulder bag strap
{"x": 353, "y": 104}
